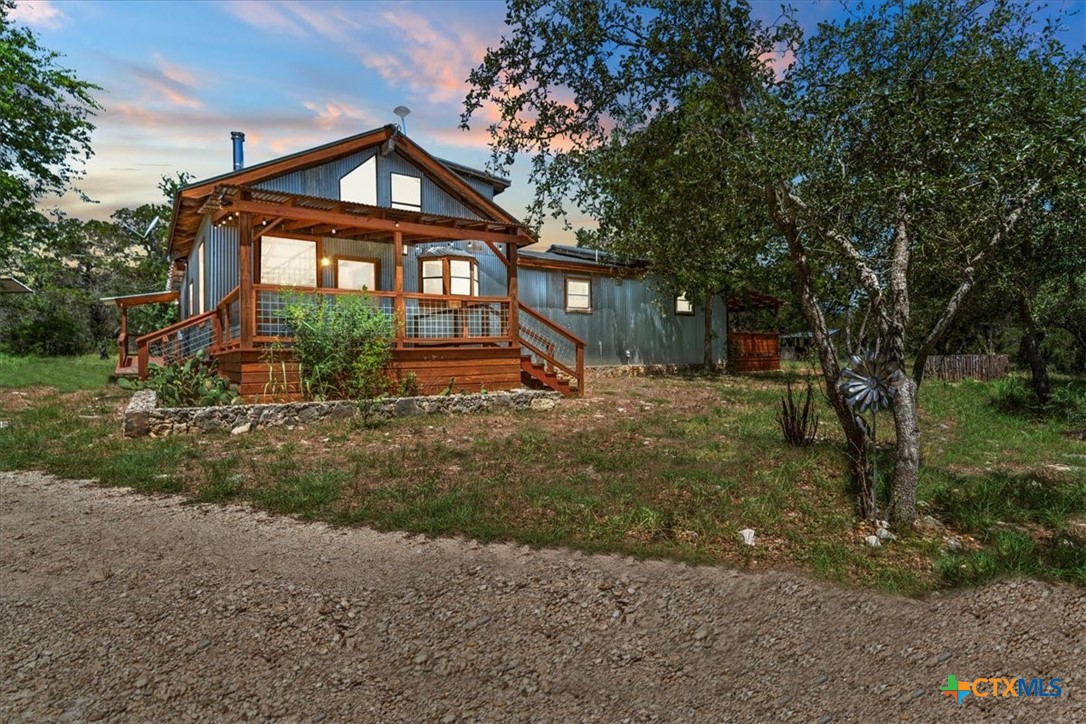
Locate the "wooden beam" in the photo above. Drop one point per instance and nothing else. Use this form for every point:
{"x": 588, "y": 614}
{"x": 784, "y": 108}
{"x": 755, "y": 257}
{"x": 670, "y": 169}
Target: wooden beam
{"x": 400, "y": 316}
{"x": 497, "y": 252}
{"x": 300, "y": 213}
{"x": 245, "y": 286}
{"x": 513, "y": 292}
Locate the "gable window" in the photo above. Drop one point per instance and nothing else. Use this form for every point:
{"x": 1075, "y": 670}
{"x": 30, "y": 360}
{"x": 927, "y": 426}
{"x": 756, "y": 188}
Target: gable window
{"x": 288, "y": 262}
{"x": 406, "y": 192}
{"x": 360, "y": 185}
{"x": 579, "y": 295}
{"x": 683, "y": 305}
{"x": 355, "y": 273}
{"x": 450, "y": 276}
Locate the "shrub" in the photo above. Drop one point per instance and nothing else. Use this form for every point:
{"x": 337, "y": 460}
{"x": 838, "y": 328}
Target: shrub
{"x": 1012, "y": 395}
{"x": 1068, "y": 404}
{"x": 799, "y": 427}
{"x": 192, "y": 383}
{"x": 342, "y": 345}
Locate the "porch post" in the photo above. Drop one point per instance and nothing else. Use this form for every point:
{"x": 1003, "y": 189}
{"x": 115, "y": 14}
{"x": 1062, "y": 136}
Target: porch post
{"x": 122, "y": 340}
{"x": 400, "y": 308}
{"x": 246, "y": 299}
{"x": 513, "y": 294}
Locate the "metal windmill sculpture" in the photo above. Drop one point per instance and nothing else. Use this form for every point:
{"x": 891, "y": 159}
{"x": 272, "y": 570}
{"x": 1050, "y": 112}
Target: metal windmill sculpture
{"x": 870, "y": 385}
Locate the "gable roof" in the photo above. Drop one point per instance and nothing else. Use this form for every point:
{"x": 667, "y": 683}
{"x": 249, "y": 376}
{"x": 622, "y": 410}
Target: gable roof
{"x": 190, "y": 199}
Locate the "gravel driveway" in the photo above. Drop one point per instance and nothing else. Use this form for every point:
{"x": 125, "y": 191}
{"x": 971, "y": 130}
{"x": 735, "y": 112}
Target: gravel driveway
{"x": 115, "y": 606}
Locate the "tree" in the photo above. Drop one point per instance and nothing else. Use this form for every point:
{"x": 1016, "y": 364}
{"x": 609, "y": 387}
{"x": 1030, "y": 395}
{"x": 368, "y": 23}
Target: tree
{"x": 913, "y": 136}
{"x": 45, "y": 129}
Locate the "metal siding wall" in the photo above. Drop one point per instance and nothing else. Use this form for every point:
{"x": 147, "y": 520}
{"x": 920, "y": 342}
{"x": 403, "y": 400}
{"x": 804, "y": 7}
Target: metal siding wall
{"x": 222, "y": 259}
{"x": 481, "y": 186}
{"x": 381, "y": 251}
{"x": 323, "y": 181}
{"x": 630, "y": 316}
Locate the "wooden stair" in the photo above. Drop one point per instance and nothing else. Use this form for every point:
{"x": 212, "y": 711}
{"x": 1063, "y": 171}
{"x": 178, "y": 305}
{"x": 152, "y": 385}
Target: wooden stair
{"x": 536, "y": 375}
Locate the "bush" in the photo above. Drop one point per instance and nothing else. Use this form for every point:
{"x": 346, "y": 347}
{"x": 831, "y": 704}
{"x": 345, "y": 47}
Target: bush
{"x": 1068, "y": 404}
{"x": 1012, "y": 395}
{"x": 194, "y": 383}
{"x": 342, "y": 345}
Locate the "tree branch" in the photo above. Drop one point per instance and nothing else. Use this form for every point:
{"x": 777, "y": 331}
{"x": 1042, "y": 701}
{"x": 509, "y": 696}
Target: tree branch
{"x": 950, "y": 311}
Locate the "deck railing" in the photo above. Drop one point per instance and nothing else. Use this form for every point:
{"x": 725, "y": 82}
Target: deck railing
{"x": 557, "y": 349}
{"x": 427, "y": 318}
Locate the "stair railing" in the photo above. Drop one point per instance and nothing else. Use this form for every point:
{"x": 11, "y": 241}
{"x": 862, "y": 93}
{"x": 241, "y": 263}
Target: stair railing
{"x": 557, "y": 348}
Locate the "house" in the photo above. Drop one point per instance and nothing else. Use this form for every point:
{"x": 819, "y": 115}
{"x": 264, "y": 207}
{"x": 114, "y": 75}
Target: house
{"x": 427, "y": 241}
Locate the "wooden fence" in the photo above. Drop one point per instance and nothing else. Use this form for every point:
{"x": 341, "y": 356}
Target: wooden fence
{"x": 958, "y": 367}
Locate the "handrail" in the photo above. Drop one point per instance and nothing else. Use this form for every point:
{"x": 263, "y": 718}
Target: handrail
{"x": 564, "y": 332}
{"x": 175, "y": 327}
{"x": 525, "y": 338}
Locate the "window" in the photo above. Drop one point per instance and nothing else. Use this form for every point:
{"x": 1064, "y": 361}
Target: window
{"x": 683, "y": 305}
{"x": 355, "y": 273}
{"x": 450, "y": 276}
{"x": 360, "y": 185}
{"x": 579, "y": 295}
{"x": 192, "y": 298}
{"x": 288, "y": 262}
{"x": 406, "y": 192}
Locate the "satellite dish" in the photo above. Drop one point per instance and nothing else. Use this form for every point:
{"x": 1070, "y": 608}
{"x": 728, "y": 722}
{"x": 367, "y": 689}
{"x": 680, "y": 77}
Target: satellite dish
{"x": 403, "y": 112}
{"x": 151, "y": 226}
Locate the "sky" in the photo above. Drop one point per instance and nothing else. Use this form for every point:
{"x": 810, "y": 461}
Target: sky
{"x": 178, "y": 77}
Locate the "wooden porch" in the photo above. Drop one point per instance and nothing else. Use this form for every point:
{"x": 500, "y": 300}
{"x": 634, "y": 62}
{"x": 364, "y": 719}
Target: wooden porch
{"x": 477, "y": 342}
{"x": 753, "y": 351}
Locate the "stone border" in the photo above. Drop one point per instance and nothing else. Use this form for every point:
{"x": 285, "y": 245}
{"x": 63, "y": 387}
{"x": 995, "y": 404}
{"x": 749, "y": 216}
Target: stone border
{"x": 144, "y": 417}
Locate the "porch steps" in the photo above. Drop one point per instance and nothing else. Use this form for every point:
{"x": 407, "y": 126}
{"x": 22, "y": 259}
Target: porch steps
{"x": 534, "y": 374}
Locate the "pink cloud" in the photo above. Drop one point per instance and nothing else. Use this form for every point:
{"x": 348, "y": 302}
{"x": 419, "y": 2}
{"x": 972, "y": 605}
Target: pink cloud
{"x": 39, "y": 14}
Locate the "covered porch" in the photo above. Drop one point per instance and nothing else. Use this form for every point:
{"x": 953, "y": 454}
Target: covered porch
{"x": 442, "y": 315}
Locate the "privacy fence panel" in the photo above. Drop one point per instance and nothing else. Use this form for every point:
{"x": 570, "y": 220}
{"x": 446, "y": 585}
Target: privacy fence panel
{"x": 958, "y": 367}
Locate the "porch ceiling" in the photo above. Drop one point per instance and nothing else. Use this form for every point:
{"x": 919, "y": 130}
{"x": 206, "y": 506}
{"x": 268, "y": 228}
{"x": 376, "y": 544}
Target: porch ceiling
{"x": 311, "y": 215}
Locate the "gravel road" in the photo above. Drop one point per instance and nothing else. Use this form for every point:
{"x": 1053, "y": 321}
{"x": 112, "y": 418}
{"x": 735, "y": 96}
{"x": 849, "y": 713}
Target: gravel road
{"x": 118, "y": 607}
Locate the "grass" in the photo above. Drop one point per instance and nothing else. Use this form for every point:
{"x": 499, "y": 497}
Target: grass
{"x": 64, "y": 374}
{"x": 665, "y": 467}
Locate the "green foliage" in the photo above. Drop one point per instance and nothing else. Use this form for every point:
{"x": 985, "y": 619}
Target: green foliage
{"x": 192, "y": 383}
{"x": 799, "y": 426}
{"x": 409, "y": 386}
{"x": 45, "y": 129}
{"x": 342, "y": 345}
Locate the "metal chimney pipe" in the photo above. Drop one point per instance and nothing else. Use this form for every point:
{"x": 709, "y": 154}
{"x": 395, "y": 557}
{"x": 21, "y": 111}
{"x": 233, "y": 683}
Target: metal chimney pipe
{"x": 239, "y": 149}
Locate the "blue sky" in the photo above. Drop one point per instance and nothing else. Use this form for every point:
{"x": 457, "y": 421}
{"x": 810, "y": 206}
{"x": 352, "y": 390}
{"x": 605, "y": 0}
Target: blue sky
{"x": 178, "y": 77}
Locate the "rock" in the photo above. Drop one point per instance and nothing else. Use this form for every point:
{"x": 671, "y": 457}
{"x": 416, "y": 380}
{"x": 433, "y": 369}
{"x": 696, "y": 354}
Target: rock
{"x": 747, "y": 536}
{"x": 872, "y": 541}
{"x": 242, "y": 429}
{"x": 885, "y": 534}
{"x": 930, "y": 522}
{"x": 953, "y": 544}
{"x": 542, "y": 403}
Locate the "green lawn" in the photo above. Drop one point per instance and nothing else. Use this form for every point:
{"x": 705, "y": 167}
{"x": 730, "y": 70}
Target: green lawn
{"x": 64, "y": 374}
{"x": 663, "y": 467}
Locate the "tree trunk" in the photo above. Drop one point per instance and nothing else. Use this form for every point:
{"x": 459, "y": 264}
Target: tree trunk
{"x": 907, "y": 458}
{"x": 1031, "y": 342}
{"x": 710, "y": 363}
{"x": 856, "y": 441}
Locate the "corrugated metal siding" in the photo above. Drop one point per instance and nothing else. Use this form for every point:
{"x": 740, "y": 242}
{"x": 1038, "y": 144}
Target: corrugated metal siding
{"x": 367, "y": 249}
{"x": 323, "y": 181}
{"x": 630, "y": 317}
{"x": 222, "y": 260}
